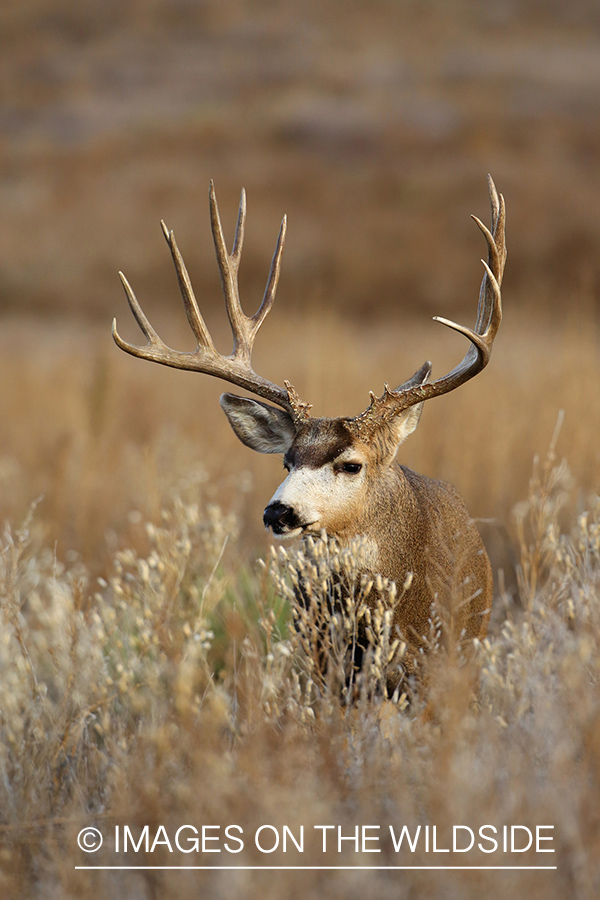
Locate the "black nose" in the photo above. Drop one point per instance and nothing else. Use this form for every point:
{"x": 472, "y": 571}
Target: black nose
{"x": 280, "y": 518}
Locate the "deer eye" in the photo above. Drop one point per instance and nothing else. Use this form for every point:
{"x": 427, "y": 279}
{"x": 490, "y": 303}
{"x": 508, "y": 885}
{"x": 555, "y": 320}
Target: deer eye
{"x": 351, "y": 468}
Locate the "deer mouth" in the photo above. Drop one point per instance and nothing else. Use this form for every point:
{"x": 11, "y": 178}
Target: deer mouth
{"x": 284, "y": 521}
{"x": 296, "y": 532}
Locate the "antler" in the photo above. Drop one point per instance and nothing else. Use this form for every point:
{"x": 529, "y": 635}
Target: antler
{"x": 489, "y": 315}
{"x": 235, "y": 368}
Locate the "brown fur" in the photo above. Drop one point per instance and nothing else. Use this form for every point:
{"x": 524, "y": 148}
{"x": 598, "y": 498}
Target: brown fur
{"x": 428, "y": 532}
{"x": 418, "y": 525}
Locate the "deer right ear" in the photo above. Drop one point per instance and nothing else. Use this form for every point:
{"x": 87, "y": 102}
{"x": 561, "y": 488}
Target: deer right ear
{"x": 405, "y": 422}
{"x": 261, "y": 427}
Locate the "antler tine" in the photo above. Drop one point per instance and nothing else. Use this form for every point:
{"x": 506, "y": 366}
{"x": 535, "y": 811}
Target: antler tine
{"x": 489, "y": 309}
{"x": 228, "y": 269}
{"x": 497, "y": 203}
{"x": 489, "y": 317}
{"x": 236, "y": 367}
{"x": 142, "y": 320}
{"x": 192, "y": 310}
{"x": 240, "y": 225}
{"x": 272, "y": 281}
{"x": 243, "y": 327}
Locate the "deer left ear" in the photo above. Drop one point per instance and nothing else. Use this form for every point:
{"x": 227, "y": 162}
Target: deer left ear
{"x": 259, "y": 426}
{"x": 406, "y": 421}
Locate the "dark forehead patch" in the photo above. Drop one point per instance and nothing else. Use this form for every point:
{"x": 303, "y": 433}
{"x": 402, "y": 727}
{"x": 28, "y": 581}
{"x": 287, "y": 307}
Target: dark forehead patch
{"x": 318, "y": 442}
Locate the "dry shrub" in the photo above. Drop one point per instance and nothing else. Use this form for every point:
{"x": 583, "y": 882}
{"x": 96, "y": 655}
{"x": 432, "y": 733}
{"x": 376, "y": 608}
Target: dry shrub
{"x": 343, "y": 641}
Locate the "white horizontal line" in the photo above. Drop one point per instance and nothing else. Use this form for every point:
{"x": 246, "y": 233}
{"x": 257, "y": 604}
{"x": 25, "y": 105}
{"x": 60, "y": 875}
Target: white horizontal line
{"x": 328, "y": 868}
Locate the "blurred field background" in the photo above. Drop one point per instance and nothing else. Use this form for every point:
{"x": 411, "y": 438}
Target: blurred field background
{"x": 373, "y": 129}
{"x": 373, "y": 126}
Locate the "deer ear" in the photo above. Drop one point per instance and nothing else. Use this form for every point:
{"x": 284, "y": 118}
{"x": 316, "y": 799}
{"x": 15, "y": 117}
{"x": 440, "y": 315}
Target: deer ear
{"x": 261, "y": 427}
{"x": 405, "y": 422}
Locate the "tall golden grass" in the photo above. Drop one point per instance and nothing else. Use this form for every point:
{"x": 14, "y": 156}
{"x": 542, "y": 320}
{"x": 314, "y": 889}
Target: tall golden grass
{"x": 149, "y": 674}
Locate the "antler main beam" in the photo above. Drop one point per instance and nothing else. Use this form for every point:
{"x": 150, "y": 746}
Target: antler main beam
{"x": 235, "y": 368}
{"x": 489, "y": 317}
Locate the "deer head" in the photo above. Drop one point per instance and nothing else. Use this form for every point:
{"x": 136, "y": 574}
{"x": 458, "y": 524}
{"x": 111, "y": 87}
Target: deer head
{"x": 332, "y": 463}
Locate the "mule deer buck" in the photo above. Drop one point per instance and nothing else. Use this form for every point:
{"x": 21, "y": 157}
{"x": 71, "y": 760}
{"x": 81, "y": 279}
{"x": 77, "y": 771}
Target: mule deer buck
{"x": 342, "y": 473}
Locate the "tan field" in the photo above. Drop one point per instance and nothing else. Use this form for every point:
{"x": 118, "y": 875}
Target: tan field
{"x": 150, "y": 672}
